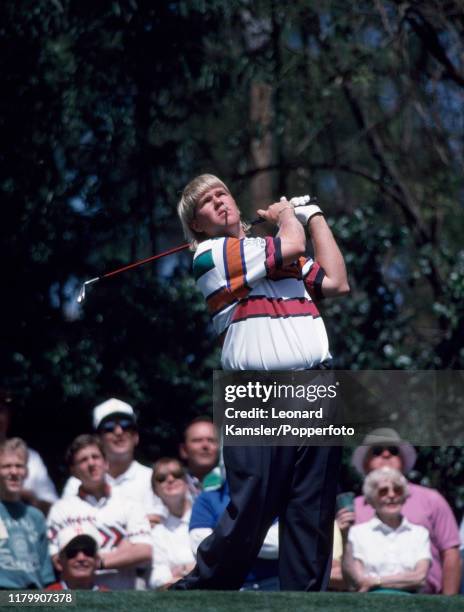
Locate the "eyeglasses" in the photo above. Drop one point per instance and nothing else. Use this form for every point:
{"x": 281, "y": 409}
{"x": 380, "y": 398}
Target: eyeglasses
{"x": 110, "y": 426}
{"x": 378, "y": 450}
{"x": 162, "y": 476}
{"x": 89, "y": 551}
{"x": 397, "y": 490}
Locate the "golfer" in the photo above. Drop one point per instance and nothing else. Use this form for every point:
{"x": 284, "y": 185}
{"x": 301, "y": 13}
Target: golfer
{"x": 261, "y": 295}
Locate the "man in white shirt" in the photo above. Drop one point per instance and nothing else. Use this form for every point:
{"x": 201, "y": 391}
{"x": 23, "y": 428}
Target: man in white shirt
{"x": 123, "y": 527}
{"x": 115, "y": 423}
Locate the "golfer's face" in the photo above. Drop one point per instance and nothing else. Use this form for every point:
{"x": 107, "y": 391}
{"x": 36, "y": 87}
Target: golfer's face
{"x": 217, "y": 214}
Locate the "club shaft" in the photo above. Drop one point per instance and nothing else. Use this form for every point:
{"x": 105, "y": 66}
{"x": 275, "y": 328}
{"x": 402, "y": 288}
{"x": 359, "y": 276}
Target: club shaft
{"x": 176, "y": 249}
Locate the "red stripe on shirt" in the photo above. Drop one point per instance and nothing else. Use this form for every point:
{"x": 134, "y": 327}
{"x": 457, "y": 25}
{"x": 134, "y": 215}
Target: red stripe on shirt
{"x": 274, "y": 308}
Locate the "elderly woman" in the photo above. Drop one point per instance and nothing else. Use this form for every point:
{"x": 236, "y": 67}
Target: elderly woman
{"x": 388, "y": 552}
{"x": 172, "y": 555}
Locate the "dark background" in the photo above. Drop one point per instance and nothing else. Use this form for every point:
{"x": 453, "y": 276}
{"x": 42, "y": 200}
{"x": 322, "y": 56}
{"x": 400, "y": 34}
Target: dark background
{"x": 108, "y": 108}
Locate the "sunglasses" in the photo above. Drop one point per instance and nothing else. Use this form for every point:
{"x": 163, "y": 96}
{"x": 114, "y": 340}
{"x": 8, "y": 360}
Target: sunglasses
{"x": 161, "y": 477}
{"x": 397, "y": 490}
{"x": 110, "y": 426}
{"x": 89, "y": 551}
{"x": 378, "y": 450}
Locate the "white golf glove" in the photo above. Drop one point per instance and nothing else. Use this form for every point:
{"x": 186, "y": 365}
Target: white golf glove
{"x": 303, "y": 210}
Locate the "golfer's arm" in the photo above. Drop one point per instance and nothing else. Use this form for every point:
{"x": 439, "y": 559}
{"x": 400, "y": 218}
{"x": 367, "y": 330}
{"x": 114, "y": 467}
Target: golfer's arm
{"x": 329, "y": 256}
{"x": 292, "y": 236}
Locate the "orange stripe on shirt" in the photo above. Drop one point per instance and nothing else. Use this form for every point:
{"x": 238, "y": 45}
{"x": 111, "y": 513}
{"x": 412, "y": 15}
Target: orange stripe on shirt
{"x": 234, "y": 265}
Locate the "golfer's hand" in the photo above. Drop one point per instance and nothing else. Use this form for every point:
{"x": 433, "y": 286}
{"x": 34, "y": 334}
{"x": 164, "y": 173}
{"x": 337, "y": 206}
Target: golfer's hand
{"x": 276, "y": 212}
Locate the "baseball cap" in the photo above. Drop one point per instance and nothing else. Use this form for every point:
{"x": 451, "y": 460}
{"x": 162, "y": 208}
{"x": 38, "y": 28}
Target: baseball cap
{"x": 386, "y": 436}
{"x": 84, "y": 532}
{"x": 110, "y": 407}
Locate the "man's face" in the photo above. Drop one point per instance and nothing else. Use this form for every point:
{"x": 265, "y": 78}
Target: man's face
{"x": 119, "y": 436}
{"x": 78, "y": 561}
{"x": 201, "y": 447}
{"x": 13, "y": 472}
{"x": 217, "y": 214}
{"x": 383, "y": 456}
{"x": 89, "y": 466}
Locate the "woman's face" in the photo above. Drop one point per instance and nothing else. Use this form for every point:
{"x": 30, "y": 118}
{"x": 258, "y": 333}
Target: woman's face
{"x": 169, "y": 481}
{"x": 389, "y": 498}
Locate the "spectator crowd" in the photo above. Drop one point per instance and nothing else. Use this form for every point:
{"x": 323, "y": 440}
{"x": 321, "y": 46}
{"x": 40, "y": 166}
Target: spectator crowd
{"x": 122, "y": 525}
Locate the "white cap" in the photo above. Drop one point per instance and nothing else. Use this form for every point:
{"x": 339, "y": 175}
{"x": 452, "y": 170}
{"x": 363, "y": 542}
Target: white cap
{"x": 111, "y": 406}
{"x": 81, "y": 530}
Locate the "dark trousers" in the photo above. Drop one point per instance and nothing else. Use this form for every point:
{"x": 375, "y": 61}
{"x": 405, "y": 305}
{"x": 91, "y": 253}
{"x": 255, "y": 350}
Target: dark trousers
{"x": 296, "y": 484}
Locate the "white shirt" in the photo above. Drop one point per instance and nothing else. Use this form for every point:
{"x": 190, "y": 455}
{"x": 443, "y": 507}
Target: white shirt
{"x": 171, "y": 547}
{"x": 115, "y": 517}
{"x": 134, "y": 484}
{"x": 38, "y": 481}
{"x": 461, "y": 534}
{"x": 385, "y": 551}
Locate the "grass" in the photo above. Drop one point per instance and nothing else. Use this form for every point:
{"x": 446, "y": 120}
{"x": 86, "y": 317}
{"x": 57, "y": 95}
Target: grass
{"x": 222, "y": 601}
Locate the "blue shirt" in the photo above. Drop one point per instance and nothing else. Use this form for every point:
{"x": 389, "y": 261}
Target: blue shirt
{"x": 24, "y": 558}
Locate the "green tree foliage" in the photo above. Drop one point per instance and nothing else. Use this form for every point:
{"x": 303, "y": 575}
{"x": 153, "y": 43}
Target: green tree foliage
{"x": 107, "y": 110}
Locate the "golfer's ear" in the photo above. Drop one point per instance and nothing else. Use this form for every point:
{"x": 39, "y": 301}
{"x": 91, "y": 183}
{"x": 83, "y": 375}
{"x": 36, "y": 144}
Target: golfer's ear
{"x": 196, "y": 226}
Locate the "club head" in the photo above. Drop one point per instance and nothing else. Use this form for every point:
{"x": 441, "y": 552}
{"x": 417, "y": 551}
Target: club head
{"x": 81, "y": 296}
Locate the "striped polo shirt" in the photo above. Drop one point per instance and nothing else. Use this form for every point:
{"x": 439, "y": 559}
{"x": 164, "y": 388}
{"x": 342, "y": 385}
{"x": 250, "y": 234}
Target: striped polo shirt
{"x": 263, "y": 310}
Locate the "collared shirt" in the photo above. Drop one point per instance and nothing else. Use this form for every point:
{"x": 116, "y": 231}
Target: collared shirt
{"x": 114, "y": 516}
{"x": 171, "y": 547}
{"x": 385, "y": 551}
{"x": 426, "y": 507}
{"x": 134, "y": 483}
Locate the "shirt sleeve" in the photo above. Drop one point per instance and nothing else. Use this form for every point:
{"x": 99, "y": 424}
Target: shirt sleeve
{"x": 54, "y": 524}
{"x": 356, "y": 543}
{"x": 444, "y": 526}
{"x": 422, "y": 545}
{"x": 138, "y": 526}
{"x": 313, "y": 275}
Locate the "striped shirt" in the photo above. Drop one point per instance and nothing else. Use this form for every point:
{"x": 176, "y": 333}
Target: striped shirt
{"x": 263, "y": 310}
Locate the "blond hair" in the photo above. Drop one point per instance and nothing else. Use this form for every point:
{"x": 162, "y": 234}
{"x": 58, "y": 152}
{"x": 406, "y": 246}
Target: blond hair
{"x": 14, "y": 445}
{"x": 188, "y": 201}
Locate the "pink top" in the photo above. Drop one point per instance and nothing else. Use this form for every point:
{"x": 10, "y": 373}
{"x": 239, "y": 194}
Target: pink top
{"x": 425, "y": 507}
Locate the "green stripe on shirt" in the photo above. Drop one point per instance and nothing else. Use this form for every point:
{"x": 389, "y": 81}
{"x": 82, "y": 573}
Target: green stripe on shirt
{"x": 202, "y": 264}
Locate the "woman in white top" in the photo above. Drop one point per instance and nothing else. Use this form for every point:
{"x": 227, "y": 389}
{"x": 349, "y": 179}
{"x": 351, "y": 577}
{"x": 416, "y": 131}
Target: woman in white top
{"x": 387, "y": 552}
{"x": 172, "y": 554}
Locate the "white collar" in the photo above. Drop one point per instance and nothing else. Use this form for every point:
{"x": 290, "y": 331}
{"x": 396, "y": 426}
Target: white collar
{"x": 377, "y": 524}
